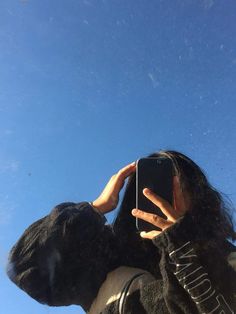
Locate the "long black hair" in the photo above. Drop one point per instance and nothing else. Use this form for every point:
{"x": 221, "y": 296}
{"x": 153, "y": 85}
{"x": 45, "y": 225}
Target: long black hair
{"x": 208, "y": 206}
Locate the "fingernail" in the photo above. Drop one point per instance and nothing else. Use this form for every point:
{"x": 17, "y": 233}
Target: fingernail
{"x": 142, "y": 233}
{"x": 134, "y": 211}
{"x": 146, "y": 191}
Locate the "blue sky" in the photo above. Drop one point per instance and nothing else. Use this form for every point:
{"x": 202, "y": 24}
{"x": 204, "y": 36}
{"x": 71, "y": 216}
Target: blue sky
{"x": 87, "y": 86}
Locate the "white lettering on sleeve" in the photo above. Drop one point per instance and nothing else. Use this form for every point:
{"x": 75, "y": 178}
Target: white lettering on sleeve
{"x": 196, "y": 281}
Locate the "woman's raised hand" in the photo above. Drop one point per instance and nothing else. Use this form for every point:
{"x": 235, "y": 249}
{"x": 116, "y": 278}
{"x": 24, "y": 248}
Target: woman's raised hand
{"x": 172, "y": 213}
{"x": 109, "y": 197}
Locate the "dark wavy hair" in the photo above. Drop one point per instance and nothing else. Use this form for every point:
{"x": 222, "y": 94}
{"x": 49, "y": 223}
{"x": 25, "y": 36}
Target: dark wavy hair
{"x": 208, "y": 207}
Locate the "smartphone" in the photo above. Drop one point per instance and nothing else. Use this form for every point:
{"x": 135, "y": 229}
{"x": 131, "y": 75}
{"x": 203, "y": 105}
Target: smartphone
{"x": 157, "y": 175}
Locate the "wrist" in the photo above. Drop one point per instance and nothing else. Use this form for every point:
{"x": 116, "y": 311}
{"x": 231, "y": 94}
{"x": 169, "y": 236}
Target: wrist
{"x": 96, "y": 204}
{"x": 101, "y": 214}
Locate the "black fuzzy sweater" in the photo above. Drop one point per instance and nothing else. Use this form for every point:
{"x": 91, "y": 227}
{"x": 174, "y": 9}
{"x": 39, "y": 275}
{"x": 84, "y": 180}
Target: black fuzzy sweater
{"x": 65, "y": 257}
{"x": 195, "y": 276}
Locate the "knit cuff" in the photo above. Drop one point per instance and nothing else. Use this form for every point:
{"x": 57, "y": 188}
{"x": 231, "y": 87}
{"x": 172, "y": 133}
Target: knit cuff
{"x": 182, "y": 231}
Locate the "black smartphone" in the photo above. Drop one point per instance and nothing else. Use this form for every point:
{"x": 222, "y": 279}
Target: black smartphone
{"x": 157, "y": 175}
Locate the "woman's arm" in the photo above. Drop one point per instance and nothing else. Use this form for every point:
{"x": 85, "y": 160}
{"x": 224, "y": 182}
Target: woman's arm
{"x": 187, "y": 285}
{"x": 39, "y": 254}
{"x": 37, "y": 259}
{"x": 187, "y": 254}
{"x": 109, "y": 198}
{"x": 206, "y": 277}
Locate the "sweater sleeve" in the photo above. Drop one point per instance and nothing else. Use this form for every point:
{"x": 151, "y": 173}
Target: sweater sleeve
{"x": 203, "y": 280}
{"x": 195, "y": 275}
{"x": 48, "y": 249}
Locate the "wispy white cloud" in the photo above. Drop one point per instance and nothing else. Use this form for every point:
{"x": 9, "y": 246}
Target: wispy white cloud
{"x": 9, "y": 166}
{"x": 3, "y": 259}
{"x": 208, "y": 4}
{"x": 6, "y": 211}
{"x": 8, "y": 132}
{"x": 153, "y": 79}
{"x": 87, "y": 2}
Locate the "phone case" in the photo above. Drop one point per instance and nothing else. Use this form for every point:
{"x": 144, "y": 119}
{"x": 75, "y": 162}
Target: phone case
{"x": 157, "y": 175}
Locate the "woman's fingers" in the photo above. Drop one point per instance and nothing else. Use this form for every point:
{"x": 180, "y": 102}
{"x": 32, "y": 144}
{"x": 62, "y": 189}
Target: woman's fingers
{"x": 109, "y": 197}
{"x": 164, "y": 206}
{"x": 126, "y": 171}
{"x": 152, "y": 219}
{"x": 150, "y": 235}
{"x": 171, "y": 214}
{"x": 122, "y": 174}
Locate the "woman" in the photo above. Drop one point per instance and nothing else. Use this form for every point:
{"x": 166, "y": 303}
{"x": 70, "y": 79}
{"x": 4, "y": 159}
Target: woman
{"x": 187, "y": 270}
